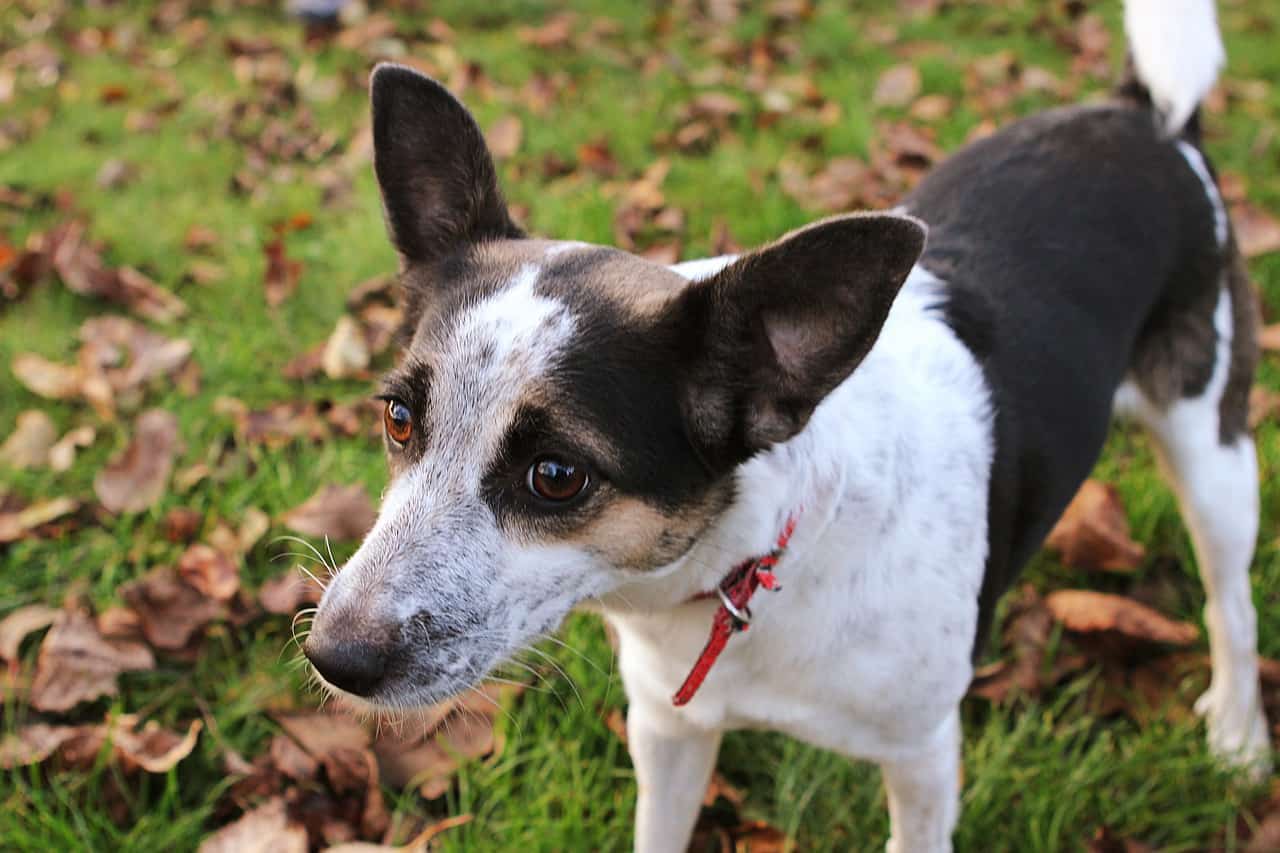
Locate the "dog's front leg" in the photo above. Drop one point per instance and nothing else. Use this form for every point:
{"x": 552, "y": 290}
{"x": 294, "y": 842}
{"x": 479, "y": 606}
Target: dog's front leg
{"x": 673, "y": 763}
{"x": 924, "y": 793}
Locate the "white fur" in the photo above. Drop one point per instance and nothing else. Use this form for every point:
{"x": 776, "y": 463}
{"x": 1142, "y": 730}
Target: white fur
{"x": 1177, "y": 51}
{"x": 892, "y": 474}
{"x": 1196, "y": 160}
{"x": 1217, "y": 489}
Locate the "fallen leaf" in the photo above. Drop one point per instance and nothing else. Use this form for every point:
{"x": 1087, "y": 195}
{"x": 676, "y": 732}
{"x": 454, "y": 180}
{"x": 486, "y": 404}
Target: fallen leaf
{"x": 171, "y": 611}
{"x": 504, "y": 137}
{"x": 16, "y": 524}
{"x": 339, "y": 512}
{"x": 321, "y": 733}
{"x": 1264, "y": 405}
{"x": 29, "y": 444}
{"x": 136, "y": 479}
{"x": 1087, "y": 612}
{"x": 266, "y": 829}
{"x": 154, "y": 748}
{"x": 421, "y": 843}
{"x": 897, "y": 86}
{"x": 282, "y": 273}
{"x": 1104, "y": 840}
{"x": 210, "y": 571}
{"x": 1257, "y": 231}
{"x": 115, "y": 173}
{"x": 931, "y": 108}
{"x": 15, "y": 627}
{"x": 1093, "y": 532}
{"x": 181, "y": 524}
{"x": 1269, "y": 337}
{"x": 287, "y": 592}
{"x": 346, "y": 353}
{"x": 292, "y": 760}
{"x": 33, "y": 744}
{"x": 76, "y": 664}
{"x": 46, "y": 378}
{"x": 63, "y": 453}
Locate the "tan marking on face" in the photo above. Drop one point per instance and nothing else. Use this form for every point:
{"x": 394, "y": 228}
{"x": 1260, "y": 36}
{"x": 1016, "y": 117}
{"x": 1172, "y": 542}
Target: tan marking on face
{"x": 633, "y": 534}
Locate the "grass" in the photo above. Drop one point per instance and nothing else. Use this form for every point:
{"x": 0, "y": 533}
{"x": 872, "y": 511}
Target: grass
{"x": 1041, "y": 778}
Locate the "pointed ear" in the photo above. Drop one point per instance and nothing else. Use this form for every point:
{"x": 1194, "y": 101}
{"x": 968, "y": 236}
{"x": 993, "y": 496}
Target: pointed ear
{"x": 777, "y": 330}
{"x": 439, "y": 187}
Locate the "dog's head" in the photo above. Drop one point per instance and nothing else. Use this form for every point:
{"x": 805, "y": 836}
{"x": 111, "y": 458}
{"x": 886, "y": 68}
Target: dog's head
{"x": 566, "y": 417}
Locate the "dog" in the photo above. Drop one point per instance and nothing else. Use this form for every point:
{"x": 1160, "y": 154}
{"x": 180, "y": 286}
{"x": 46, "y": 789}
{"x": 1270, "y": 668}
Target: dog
{"x": 880, "y": 427}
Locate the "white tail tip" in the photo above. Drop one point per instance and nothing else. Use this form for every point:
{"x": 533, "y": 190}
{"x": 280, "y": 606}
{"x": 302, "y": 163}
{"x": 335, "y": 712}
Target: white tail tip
{"x": 1177, "y": 52}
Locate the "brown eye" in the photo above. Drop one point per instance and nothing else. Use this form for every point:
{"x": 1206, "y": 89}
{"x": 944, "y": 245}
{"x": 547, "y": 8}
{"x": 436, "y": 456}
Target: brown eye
{"x": 398, "y": 421}
{"x": 555, "y": 480}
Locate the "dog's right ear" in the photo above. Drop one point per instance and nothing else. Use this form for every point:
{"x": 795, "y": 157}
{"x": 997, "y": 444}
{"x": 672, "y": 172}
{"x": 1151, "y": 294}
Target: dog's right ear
{"x": 439, "y": 187}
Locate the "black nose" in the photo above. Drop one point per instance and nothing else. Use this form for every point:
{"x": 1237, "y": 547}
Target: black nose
{"x": 354, "y": 666}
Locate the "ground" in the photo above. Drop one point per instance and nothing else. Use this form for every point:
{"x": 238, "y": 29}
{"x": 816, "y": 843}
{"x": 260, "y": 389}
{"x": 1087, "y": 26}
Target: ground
{"x": 190, "y": 104}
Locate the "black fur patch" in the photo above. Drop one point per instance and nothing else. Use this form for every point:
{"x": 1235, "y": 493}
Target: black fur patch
{"x": 1065, "y": 241}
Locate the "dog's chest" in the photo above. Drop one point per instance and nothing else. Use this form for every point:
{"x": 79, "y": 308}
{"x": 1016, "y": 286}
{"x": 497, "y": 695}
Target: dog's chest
{"x": 867, "y": 646}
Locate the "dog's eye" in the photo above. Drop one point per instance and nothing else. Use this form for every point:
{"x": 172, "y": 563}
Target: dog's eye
{"x": 556, "y": 480}
{"x": 398, "y": 420}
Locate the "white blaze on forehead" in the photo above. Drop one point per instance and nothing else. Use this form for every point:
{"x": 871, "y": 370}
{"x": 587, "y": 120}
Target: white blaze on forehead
{"x": 492, "y": 354}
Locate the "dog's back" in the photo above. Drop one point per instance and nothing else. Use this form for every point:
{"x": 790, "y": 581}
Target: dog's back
{"x": 1083, "y": 247}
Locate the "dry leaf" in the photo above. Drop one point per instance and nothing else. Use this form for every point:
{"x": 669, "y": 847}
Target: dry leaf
{"x": 1257, "y": 231}
{"x": 339, "y": 512}
{"x": 897, "y": 86}
{"x": 63, "y": 453}
{"x": 1085, "y": 611}
{"x": 28, "y": 446}
{"x": 266, "y": 829}
{"x": 1269, "y": 337}
{"x": 282, "y": 274}
{"x": 136, "y": 480}
{"x": 153, "y": 748}
{"x": 504, "y": 137}
{"x": 287, "y": 592}
{"x": 210, "y": 572}
{"x": 421, "y": 843}
{"x": 1093, "y": 532}
{"x": 171, "y": 611}
{"x": 15, "y": 627}
{"x": 1264, "y": 405}
{"x": 16, "y": 524}
{"x": 321, "y": 733}
{"x": 346, "y": 353}
{"x": 46, "y": 378}
{"x": 292, "y": 760}
{"x": 33, "y": 744}
{"x": 77, "y": 664}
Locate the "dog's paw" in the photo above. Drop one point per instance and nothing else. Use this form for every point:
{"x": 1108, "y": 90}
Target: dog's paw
{"x": 1238, "y": 733}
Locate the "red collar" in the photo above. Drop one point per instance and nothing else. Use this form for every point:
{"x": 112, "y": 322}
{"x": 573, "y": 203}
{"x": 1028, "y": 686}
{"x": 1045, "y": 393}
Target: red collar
{"x": 734, "y": 615}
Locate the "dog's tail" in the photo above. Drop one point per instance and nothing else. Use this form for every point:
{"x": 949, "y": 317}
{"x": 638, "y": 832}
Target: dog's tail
{"x": 1175, "y": 53}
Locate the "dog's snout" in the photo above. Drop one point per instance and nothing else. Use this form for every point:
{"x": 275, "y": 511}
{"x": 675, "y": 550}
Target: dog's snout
{"x": 356, "y": 666}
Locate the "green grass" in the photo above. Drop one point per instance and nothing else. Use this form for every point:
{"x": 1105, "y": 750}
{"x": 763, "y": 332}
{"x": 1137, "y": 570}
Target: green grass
{"x": 1040, "y": 778}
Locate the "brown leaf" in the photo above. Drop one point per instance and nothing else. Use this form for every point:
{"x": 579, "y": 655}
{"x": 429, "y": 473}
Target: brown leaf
{"x": 292, "y": 760}
{"x": 1268, "y": 338}
{"x": 287, "y": 592}
{"x": 29, "y": 444}
{"x": 210, "y": 571}
{"x": 553, "y": 34}
{"x": 504, "y": 137}
{"x": 931, "y": 108}
{"x": 282, "y": 274}
{"x": 1093, "y": 532}
{"x": 77, "y": 664}
{"x": 153, "y": 748}
{"x": 16, "y": 524}
{"x": 1257, "y": 231}
{"x": 33, "y": 744}
{"x": 1087, "y": 612}
{"x": 1264, "y": 405}
{"x": 15, "y": 627}
{"x": 420, "y": 843}
{"x": 720, "y": 787}
{"x": 124, "y": 355}
{"x": 321, "y": 733}
{"x": 63, "y": 453}
{"x": 897, "y": 86}
{"x": 266, "y": 829}
{"x": 171, "y": 611}
{"x": 346, "y": 353}
{"x": 136, "y": 479}
{"x": 46, "y": 378}
{"x": 339, "y": 512}
{"x": 1106, "y": 841}
{"x": 181, "y": 524}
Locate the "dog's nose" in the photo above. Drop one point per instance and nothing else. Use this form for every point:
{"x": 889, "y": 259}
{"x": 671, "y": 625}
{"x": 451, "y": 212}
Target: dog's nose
{"x": 355, "y": 666}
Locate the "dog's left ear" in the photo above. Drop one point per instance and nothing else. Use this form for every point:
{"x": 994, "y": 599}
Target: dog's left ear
{"x": 439, "y": 187}
{"x": 773, "y": 333}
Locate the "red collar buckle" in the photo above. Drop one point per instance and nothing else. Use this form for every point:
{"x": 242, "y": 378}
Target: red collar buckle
{"x": 734, "y": 615}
